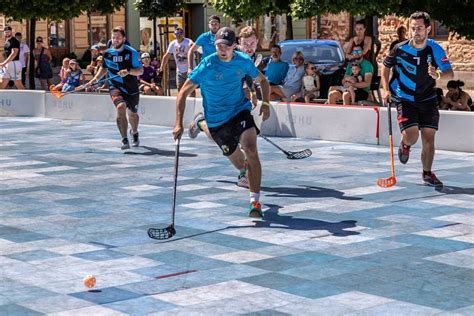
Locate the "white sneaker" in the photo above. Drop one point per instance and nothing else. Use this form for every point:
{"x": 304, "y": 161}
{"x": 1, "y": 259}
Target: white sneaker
{"x": 194, "y": 130}
{"x": 243, "y": 181}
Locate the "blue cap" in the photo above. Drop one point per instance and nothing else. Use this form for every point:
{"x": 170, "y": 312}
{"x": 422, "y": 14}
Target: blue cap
{"x": 96, "y": 47}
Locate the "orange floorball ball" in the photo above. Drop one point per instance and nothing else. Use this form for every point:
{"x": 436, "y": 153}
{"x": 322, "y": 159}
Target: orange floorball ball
{"x": 89, "y": 281}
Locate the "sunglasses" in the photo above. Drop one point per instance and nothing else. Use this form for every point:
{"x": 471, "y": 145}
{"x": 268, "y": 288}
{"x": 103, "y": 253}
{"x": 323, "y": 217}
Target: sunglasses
{"x": 298, "y": 58}
{"x": 178, "y": 33}
{"x": 357, "y": 52}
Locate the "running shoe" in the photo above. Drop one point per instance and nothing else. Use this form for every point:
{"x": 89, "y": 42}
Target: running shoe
{"x": 242, "y": 180}
{"x": 255, "y": 210}
{"x": 125, "y": 144}
{"x": 194, "y": 129}
{"x": 431, "y": 180}
{"x": 135, "y": 139}
{"x": 403, "y": 153}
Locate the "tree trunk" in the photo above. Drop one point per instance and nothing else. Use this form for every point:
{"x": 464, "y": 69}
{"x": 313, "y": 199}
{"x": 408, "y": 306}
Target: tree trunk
{"x": 155, "y": 40}
{"x": 31, "y": 37}
{"x": 289, "y": 27}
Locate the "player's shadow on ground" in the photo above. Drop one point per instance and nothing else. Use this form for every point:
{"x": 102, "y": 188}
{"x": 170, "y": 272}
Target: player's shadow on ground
{"x": 303, "y": 192}
{"x": 455, "y": 190}
{"x": 155, "y": 151}
{"x": 272, "y": 216}
{"x": 307, "y": 192}
{"x": 289, "y": 222}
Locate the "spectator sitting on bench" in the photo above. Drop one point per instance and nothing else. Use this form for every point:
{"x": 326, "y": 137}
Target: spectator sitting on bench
{"x": 292, "y": 82}
{"x": 347, "y": 82}
{"x": 362, "y": 93}
{"x": 149, "y": 83}
{"x": 276, "y": 69}
{"x": 456, "y": 99}
{"x": 74, "y": 77}
{"x": 311, "y": 84}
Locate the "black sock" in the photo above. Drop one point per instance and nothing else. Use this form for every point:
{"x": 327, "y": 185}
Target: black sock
{"x": 426, "y": 173}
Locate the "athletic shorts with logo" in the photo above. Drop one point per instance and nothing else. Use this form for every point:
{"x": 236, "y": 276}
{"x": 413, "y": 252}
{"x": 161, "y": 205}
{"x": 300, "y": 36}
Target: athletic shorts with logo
{"x": 421, "y": 114}
{"x": 130, "y": 100}
{"x": 227, "y": 136}
{"x": 11, "y": 71}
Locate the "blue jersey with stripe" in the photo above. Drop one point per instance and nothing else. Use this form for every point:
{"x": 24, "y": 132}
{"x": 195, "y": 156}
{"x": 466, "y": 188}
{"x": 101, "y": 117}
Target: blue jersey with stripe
{"x": 411, "y": 81}
{"x": 125, "y": 58}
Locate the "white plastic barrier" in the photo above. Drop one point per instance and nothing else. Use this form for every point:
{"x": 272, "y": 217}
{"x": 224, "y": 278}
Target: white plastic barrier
{"x": 87, "y": 107}
{"x": 335, "y": 123}
{"x": 162, "y": 110}
{"x": 455, "y": 130}
{"x": 20, "y": 103}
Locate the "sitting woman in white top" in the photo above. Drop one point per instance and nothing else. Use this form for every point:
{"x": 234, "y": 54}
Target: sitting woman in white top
{"x": 311, "y": 85}
{"x": 292, "y": 82}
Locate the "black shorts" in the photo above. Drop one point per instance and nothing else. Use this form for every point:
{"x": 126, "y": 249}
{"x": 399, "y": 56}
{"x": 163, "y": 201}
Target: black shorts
{"x": 421, "y": 114}
{"x": 130, "y": 100}
{"x": 227, "y": 136}
{"x": 361, "y": 95}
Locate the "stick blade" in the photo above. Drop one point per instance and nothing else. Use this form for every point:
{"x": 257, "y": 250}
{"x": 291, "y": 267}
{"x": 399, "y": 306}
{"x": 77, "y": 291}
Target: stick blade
{"x": 162, "y": 233}
{"x": 299, "y": 154}
{"x": 387, "y": 182}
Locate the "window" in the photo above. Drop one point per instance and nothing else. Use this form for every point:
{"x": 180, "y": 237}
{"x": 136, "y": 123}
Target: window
{"x": 98, "y": 28}
{"x": 57, "y": 34}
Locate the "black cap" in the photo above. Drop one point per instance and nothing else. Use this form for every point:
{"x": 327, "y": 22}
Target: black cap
{"x": 226, "y": 36}
{"x": 7, "y": 28}
{"x": 17, "y": 34}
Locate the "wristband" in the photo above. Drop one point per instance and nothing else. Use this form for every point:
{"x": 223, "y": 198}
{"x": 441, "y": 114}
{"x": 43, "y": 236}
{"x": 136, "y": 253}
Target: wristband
{"x": 438, "y": 72}
{"x": 265, "y": 103}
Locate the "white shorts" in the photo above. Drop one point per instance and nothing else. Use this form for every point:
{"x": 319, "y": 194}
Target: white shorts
{"x": 12, "y": 71}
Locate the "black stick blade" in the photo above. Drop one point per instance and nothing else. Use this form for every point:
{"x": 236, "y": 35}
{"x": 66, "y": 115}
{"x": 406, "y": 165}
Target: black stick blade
{"x": 299, "y": 154}
{"x": 162, "y": 233}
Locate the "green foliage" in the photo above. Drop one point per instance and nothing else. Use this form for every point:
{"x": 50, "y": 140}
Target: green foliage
{"x": 55, "y": 9}
{"x": 454, "y": 14}
{"x": 159, "y": 8}
{"x": 250, "y": 9}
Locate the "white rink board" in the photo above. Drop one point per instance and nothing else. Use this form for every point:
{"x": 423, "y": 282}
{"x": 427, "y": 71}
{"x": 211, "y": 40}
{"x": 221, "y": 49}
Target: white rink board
{"x": 333, "y": 123}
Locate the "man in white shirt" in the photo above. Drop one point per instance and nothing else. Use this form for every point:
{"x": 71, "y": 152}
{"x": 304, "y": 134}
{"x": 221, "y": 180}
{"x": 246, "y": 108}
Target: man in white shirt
{"x": 24, "y": 57}
{"x": 179, "y": 48}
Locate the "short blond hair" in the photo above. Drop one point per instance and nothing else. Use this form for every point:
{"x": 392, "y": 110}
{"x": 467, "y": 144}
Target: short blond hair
{"x": 247, "y": 31}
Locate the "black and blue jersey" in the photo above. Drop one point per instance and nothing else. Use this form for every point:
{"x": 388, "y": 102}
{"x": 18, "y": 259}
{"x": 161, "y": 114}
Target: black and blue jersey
{"x": 116, "y": 60}
{"x": 411, "y": 81}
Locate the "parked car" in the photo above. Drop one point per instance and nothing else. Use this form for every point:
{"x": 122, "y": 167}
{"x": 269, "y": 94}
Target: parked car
{"x": 326, "y": 55}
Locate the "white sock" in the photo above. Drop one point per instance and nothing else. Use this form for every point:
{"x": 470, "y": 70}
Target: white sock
{"x": 254, "y": 197}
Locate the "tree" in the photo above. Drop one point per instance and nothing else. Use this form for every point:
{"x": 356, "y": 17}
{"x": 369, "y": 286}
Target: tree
{"x": 454, "y": 14}
{"x": 55, "y": 10}
{"x": 248, "y": 9}
{"x": 158, "y": 8}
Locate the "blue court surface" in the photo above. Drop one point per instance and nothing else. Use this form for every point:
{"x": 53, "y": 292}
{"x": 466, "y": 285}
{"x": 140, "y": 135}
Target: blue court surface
{"x": 331, "y": 241}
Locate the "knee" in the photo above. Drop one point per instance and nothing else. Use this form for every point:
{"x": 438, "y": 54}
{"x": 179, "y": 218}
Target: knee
{"x": 121, "y": 109}
{"x": 410, "y": 138}
{"x": 147, "y": 90}
{"x": 334, "y": 95}
{"x": 251, "y": 152}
